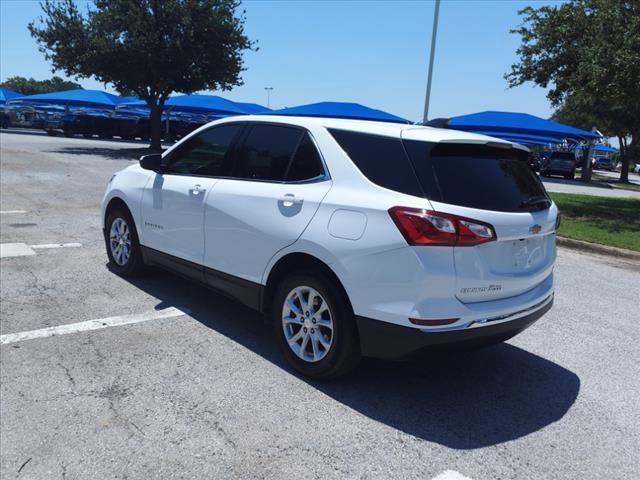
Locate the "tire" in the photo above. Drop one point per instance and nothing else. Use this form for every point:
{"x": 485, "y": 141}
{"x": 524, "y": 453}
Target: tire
{"x": 119, "y": 262}
{"x": 343, "y": 352}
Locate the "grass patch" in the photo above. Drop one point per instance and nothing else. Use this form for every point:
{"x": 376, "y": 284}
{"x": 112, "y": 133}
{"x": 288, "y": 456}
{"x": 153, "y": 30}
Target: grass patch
{"x": 604, "y": 220}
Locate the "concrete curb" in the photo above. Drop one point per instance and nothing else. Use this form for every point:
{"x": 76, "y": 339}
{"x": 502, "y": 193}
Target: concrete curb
{"x": 598, "y": 249}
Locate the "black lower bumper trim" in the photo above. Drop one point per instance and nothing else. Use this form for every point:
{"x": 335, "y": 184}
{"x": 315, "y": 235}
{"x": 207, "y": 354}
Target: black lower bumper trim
{"x": 387, "y": 340}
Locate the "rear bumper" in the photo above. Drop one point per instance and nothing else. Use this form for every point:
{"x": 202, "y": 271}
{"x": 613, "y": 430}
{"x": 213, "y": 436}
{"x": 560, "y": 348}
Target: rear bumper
{"x": 386, "y": 340}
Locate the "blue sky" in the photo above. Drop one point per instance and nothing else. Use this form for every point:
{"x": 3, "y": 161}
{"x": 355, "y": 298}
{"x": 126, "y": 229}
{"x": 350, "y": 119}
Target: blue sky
{"x": 374, "y": 53}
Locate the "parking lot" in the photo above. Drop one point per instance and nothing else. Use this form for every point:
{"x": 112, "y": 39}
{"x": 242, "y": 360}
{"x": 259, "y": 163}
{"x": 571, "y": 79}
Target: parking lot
{"x": 160, "y": 378}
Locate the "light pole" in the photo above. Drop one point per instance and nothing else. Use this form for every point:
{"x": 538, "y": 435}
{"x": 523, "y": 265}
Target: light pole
{"x": 436, "y": 12}
{"x": 268, "y": 89}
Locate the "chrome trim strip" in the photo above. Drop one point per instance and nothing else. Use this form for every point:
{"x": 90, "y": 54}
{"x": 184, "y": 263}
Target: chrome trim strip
{"x": 511, "y": 316}
{"x": 493, "y": 320}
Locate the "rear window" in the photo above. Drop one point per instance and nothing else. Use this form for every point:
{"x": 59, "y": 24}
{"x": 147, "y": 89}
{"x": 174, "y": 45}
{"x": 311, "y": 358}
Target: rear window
{"x": 381, "y": 159}
{"x": 477, "y": 176}
{"x": 563, "y": 156}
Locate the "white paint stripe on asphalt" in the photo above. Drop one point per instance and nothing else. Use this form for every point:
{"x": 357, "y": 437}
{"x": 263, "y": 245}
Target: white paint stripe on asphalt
{"x": 57, "y": 245}
{"x": 15, "y": 250}
{"x": 451, "y": 475}
{"x": 7, "y": 212}
{"x": 98, "y": 324}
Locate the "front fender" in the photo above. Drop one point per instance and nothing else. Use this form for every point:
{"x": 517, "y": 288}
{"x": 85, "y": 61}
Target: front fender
{"x": 128, "y": 186}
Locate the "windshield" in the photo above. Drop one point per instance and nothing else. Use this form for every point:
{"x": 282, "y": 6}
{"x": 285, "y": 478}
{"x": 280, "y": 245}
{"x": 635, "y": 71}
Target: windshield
{"x": 477, "y": 176}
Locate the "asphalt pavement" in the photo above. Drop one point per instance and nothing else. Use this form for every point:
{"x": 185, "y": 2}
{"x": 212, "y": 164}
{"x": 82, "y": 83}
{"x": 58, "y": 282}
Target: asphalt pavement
{"x": 158, "y": 378}
{"x": 554, "y": 184}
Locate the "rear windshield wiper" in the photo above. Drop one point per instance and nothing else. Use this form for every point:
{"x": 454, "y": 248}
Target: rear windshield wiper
{"x": 533, "y": 201}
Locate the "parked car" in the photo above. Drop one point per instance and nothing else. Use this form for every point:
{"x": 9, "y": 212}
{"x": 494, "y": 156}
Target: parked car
{"x": 636, "y": 169}
{"x": 5, "y": 119}
{"x": 558, "y": 163}
{"x": 603, "y": 163}
{"x": 355, "y": 238}
{"x": 535, "y": 161}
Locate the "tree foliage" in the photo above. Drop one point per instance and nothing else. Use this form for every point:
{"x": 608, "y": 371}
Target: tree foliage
{"x": 31, "y": 86}
{"x": 149, "y": 47}
{"x": 587, "y": 52}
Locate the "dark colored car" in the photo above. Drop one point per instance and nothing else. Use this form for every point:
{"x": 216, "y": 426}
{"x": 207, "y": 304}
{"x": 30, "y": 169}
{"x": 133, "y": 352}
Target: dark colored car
{"x": 603, "y": 163}
{"x": 558, "y": 163}
{"x": 5, "y": 119}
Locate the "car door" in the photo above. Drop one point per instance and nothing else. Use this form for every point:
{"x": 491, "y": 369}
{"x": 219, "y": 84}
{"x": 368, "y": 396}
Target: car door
{"x": 173, "y": 200}
{"x": 277, "y": 184}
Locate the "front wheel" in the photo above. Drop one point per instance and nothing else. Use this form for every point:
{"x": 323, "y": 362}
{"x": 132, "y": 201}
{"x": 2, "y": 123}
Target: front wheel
{"x": 314, "y": 326}
{"x": 123, "y": 247}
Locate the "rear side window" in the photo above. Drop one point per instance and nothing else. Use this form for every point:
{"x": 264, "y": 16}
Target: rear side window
{"x": 306, "y": 163}
{"x": 477, "y": 176}
{"x": 266, "y": 152}
{"x": 205, "y": 153}
{"x": 563, "y": 155}
{"x": 381, "y": 159}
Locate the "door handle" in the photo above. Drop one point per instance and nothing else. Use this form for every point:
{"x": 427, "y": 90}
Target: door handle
{"x": 196, "y": 190}
{"x": 289, "y": 200}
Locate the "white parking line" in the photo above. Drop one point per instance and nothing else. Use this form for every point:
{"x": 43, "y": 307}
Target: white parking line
{"x": 57, "y": 245}
{"x": 15, "y": 250}
{"x": 5, "y": 212}
{"x": 22, "y": 249}
{"x": 92, "y": 325}
{"x": 451, "y": 475}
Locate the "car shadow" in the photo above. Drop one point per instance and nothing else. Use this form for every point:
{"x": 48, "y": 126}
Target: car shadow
{"x": 108, "y": 153}
{"x": 462, "y": 401}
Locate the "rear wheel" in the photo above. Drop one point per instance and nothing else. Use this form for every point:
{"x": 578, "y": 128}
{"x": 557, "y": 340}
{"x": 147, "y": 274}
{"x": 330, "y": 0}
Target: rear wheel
{"x": 314, "y": 326}
{"x": 123, "y": 247}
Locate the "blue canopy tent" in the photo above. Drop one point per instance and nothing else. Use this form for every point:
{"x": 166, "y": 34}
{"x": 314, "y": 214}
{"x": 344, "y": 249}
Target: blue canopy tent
{"x": 6, "y": 95}
{"x": 253, "y": 107}
{"x": 196, "y": 104}
{"x": 76, "y": 98}
{"x": 523, "y": 138}
{"x": 605, "y": 149}
{"x": 339, "y": 110}
{"x": 516, "y": 123}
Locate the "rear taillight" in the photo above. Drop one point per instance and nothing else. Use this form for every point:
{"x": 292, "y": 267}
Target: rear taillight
{"x": 425, "y": 227}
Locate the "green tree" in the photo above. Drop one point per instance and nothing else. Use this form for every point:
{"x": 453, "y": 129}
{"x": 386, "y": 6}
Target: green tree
{"x": 31, "y": 86}
{"x": 585, "y": 113}
{"x": 150, "y": 47}
{"x": 588, "y": 53}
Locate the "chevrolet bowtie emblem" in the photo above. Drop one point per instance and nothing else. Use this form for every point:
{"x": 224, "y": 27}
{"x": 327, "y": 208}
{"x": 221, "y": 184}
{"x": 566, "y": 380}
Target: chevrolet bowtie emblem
{"x": 535, "y": 229}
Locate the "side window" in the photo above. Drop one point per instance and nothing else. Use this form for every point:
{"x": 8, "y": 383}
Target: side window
{"x": 266, "y": 152}
{"x": 306, "y": 163}
{"x": 381, "y": 159}
{"x": 205, "y": 153}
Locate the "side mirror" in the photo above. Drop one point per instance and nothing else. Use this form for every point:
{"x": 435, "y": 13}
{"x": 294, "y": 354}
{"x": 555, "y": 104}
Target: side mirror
{"x": 152, "y": 161}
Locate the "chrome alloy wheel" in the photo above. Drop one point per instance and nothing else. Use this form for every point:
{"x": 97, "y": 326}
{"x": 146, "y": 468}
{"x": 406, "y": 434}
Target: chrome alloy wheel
{"x": 307, "y": 323}
{"x": 120, "y": 241}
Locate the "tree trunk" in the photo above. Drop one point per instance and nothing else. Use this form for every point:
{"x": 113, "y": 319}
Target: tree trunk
{"x": 585, "y": 175}
{"x": 624, "y": 156}
{"x": 155, "y": 122}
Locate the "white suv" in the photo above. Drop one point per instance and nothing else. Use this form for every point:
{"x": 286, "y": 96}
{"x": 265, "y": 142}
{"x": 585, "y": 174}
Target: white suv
{"x": 356, "y": 238}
